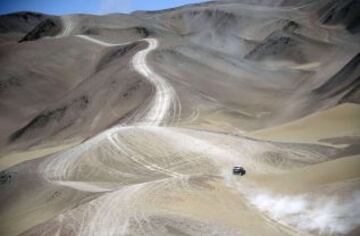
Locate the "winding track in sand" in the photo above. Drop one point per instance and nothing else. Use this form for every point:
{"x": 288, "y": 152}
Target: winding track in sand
{"x": 158, "y": 112}
{"x": 164, "y": 95}
{"x": 68, "y": 26}
{"x": 170, "y": 160}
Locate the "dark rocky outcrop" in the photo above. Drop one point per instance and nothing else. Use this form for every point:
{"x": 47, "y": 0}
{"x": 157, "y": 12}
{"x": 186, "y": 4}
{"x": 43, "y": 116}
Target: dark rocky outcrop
{"x": 271, "y": 46}
{"x": 10, "y": 82}
{"x": 55, "y": 115}
{"x": 345, "y": 12}
{"x": 347, "y": 81}
{"x": 48, "y": 27}
{"x": 115, "y": 54}
{"x": 289, "y": 44}
{"x": 21, "y": 22}
{"x": 142, "y": 31}
{"x": 5, "y": 177}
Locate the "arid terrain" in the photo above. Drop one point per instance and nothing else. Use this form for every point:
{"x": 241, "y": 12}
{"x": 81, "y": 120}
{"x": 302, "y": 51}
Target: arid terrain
{"x": 131, "y": 124}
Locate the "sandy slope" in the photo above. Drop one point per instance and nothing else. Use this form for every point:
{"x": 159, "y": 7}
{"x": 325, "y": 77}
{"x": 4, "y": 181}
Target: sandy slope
{"x": 164, "y": 95}
{"x": 140, "y": 169}
{"x": 340, "y": 121}
{"x": 160, "y": 102}
{"x": 19, "y": 157}
{"x": 314, "y": 177}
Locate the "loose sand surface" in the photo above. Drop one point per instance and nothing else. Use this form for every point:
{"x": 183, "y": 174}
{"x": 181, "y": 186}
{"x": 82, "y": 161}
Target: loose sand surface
{"x": 162, "y": 105}
{"x": 339, "y": 121}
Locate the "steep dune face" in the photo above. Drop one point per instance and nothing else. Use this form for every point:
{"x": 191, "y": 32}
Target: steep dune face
{"x": 131, "y": 124}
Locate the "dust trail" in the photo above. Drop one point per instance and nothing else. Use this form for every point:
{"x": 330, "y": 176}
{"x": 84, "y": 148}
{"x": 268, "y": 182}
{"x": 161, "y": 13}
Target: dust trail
{"x": 324, "y": 215}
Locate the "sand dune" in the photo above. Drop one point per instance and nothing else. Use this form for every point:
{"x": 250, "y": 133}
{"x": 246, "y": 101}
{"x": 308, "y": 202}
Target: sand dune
{"x": 131, "y": 124}
{"x": 314, "y": 177}
{"x": 340, "y": 121}
{"x": 13, "y": 159}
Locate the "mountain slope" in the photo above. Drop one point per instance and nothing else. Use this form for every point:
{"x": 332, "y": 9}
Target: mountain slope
{"x": 131, "y": 124}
